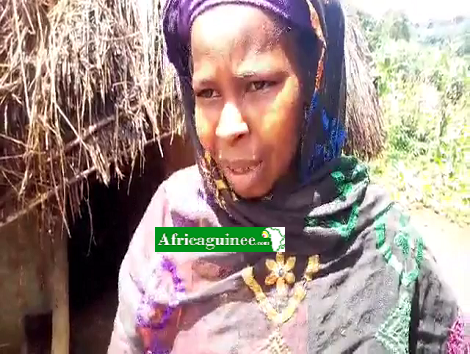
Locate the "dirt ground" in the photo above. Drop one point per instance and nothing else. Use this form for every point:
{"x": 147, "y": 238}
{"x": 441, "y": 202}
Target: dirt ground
{"x": 450, "y": 245}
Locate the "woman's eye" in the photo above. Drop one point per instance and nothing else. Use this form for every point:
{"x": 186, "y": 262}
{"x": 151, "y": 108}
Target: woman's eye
{"x": 206, "y": 93}
{"x": 259, "y": 85}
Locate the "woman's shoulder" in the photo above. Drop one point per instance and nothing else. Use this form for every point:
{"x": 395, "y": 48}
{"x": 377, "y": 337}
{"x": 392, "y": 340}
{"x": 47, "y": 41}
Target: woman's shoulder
{"x": 425, "y": 300}
{"x": 172, "y": 197}
{"x": 183, "y": 181}
{"x": 178, "y": 189}
{"x": 184, "y": 189}
{"x": 394, "y": 234}
{"x": 191, "y": 171}
{"x": 181, "y": 200}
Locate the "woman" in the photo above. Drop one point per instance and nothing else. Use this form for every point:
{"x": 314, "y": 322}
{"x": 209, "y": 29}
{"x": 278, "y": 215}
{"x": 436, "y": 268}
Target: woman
{"x": 263, "y": 89}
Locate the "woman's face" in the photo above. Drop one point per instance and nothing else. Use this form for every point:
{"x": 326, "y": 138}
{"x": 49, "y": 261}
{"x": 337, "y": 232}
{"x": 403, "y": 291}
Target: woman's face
{"x": 248, "y": 97}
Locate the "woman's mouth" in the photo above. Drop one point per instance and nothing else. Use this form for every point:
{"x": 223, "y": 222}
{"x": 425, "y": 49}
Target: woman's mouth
{"x": 242, "y": 170}
{"x": 241, "y": 167}
{"x": 244, "y": 176}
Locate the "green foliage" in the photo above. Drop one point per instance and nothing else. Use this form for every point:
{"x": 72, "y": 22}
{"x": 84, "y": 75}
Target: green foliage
{"x": 464, "y": 45}
{"x": 425, "y": 93}
{"x": 394, "y": 25}
{"x": 398, "y": 26}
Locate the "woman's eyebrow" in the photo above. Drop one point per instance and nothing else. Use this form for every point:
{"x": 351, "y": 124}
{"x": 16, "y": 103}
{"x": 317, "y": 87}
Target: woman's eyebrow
{"x": 208, "y": 80}
{"x": 203, "y": 75}
{"x": 246, "y": 74}
{"x": 256, "y": 66}
{"x": 203, "y": 81}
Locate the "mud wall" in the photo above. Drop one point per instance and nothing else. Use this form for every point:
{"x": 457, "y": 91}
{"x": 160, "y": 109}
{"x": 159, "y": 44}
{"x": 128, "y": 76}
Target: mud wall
{"x": 23, "y": 285}
{"x": 24, "y": 257}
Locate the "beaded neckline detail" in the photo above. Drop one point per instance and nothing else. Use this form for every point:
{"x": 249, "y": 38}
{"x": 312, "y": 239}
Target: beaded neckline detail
{"x": 282, "y": 311}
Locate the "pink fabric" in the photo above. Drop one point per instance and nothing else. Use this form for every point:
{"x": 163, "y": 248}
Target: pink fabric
{"x": 459, "y": 341}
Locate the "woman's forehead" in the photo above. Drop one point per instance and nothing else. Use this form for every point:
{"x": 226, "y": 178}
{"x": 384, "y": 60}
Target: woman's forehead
{"x": 225, "y": 27}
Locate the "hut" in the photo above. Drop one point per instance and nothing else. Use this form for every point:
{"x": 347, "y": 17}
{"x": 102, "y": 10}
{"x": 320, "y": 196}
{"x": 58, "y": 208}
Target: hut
{"x": 85, "y": 98}
{"x": 364, "y": 119}
{"x": 91, "y": 123}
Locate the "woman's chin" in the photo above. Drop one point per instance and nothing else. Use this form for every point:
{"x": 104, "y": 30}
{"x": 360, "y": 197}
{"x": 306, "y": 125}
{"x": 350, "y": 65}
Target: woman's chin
{"x": 249, "y": 190}
{"x": 249, "y": 194}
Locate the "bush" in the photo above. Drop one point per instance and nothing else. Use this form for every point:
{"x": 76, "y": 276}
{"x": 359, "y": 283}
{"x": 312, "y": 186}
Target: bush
{"x": 425, "y": 95}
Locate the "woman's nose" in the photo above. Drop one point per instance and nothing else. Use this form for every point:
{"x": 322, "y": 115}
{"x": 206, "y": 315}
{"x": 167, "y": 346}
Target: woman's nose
{"x": 231, "y": 124}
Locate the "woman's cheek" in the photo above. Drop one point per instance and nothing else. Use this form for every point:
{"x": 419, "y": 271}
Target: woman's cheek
{"x": 281, "y": 127}
{"x": 205, "y": 130}
{"x": 281, "y": 121}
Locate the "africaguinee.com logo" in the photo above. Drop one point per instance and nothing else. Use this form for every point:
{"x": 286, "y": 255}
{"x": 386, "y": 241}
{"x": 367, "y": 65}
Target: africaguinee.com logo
{"x": 277, "y": 235}
{"x": 220, "y": 239}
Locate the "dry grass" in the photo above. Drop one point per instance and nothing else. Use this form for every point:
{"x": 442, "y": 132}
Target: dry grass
{"x": 82, "y": 84}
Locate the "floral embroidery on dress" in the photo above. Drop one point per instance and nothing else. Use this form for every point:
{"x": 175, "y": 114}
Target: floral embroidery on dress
{"x": 150, "y": 317}
{"x": 281, "y": 274}
{"x": 393, "y": 334}
{"x": 458, "y": 342}
{"x": 346, "y": 183}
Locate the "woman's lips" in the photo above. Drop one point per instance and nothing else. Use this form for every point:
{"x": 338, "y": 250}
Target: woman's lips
{"x": 241, "y": 167}
{"x": 243, "y": 175}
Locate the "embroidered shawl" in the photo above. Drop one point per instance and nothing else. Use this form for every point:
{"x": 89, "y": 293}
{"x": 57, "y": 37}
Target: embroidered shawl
{"x": 377, "y": 290}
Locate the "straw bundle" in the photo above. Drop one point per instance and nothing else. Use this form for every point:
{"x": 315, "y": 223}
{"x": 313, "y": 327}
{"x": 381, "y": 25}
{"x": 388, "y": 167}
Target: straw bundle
{"x": 82, "y": 85}
{"x": 364, "y": 120}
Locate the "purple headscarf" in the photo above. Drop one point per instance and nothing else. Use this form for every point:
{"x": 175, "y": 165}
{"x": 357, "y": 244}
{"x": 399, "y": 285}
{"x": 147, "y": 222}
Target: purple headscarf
{"x": 180, "y": 16}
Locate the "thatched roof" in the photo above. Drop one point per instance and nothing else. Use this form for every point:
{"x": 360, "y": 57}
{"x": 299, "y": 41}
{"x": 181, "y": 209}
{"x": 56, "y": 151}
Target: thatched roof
{"x": 364, "y": 120}
{"x": 82, "y": 85}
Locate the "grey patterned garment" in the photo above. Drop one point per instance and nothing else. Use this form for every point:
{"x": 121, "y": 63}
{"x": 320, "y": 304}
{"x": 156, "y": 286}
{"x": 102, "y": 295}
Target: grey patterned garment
{"x": 375, "y": 289}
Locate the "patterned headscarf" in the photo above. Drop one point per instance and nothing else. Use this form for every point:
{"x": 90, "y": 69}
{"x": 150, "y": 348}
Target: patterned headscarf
{"x": 323, "y": 135}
